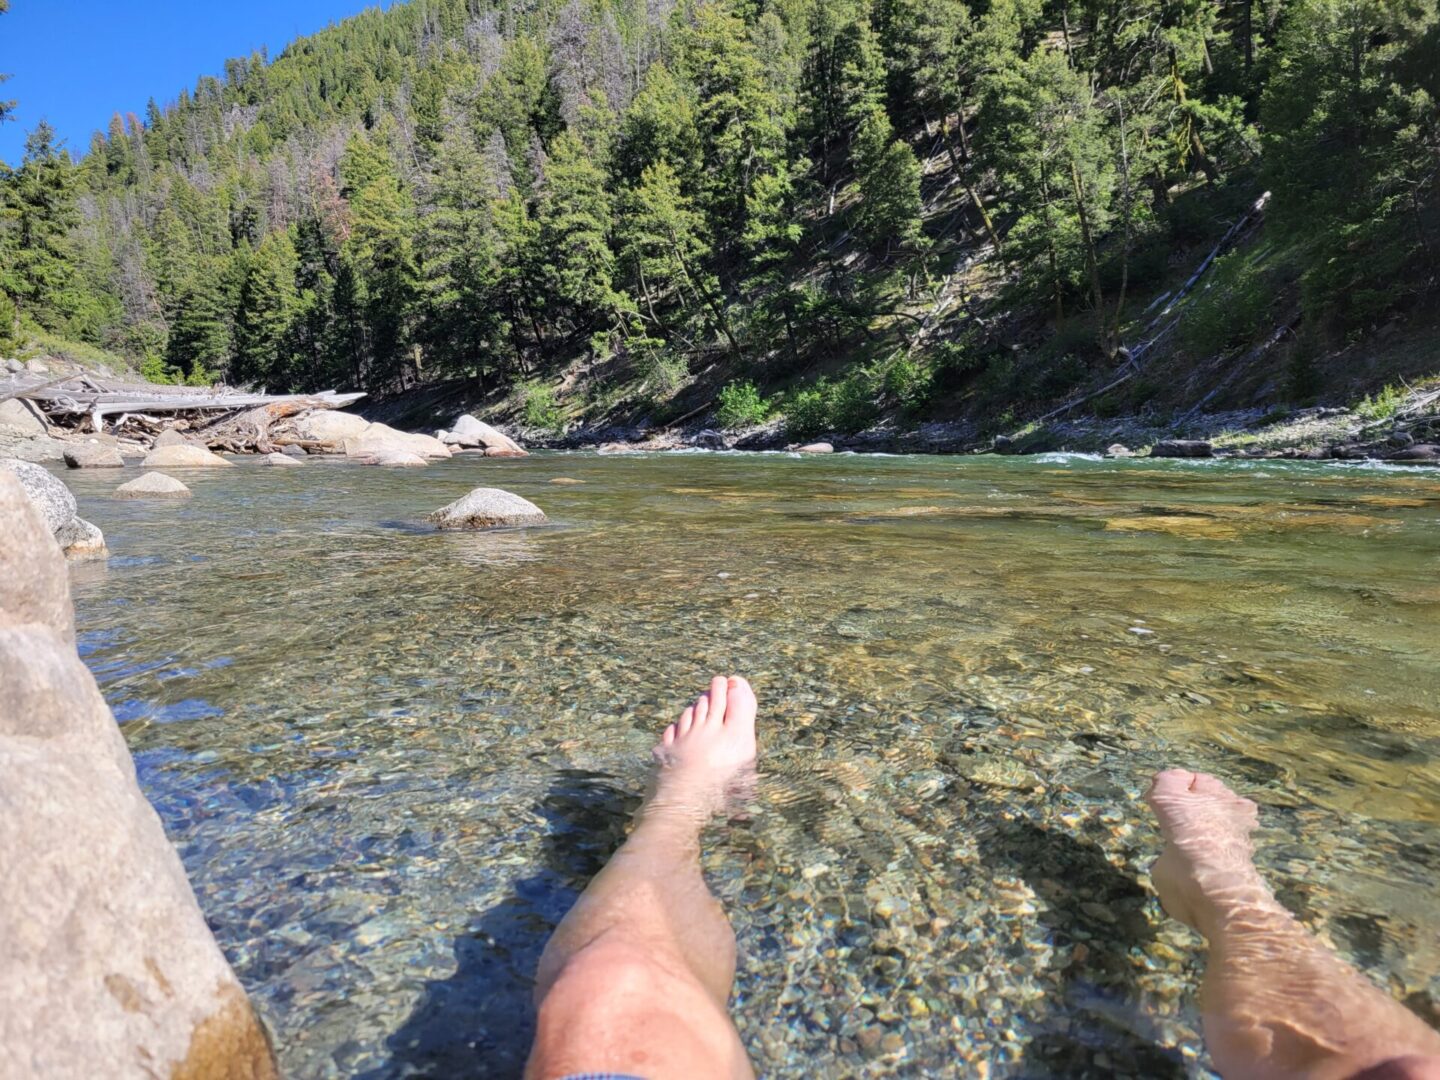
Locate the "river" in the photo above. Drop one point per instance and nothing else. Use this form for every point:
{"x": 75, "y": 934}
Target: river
{"x": 390, "y": 757}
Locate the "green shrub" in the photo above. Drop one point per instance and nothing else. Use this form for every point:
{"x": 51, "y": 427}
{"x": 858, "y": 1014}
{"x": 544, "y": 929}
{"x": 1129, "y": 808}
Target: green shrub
{"x": 807, "y": 413}
{"x": 741, "y": 406}
{"x": 664, "y": 373}
{"x": 908, "y": 384}
{"x": 852, "y": 403}
{"x": 541, "y": 411}
{"x": 153, "y": 369}
{"x": 1230, "y": 311}
{"x": 1385, "y": 404}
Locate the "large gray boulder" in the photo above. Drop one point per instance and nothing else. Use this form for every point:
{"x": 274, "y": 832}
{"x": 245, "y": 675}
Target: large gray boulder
{"x": 278, "y": 458}
{"x": 332, "y": 426}
{"x": 93, "y": 455}
{"x": 487, "y": 508}
{"x": 184, "y": 456}
{"x": 468, "y": 431}
{"x": 378, "y": 438}
{"x": 173, "y": 437}
{"x": 33, "y": 585}
{"x": 82, "y": 541}
{"x": 56, "y": 504}
{"x": 153, "y": 485}
{"x": 108, "y": 966}
{"x": 21, "y": 417}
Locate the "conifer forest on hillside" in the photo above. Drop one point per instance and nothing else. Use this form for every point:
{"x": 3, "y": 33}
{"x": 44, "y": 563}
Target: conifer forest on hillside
{"x": 829, "y": 209}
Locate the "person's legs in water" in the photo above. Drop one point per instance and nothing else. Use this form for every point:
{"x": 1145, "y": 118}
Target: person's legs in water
{"x": 636, "y": 978}
{"x": 1275, "y": 1002}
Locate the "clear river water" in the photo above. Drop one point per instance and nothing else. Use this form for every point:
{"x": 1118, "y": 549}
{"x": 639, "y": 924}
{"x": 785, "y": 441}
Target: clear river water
{"x": 391, "y": 757}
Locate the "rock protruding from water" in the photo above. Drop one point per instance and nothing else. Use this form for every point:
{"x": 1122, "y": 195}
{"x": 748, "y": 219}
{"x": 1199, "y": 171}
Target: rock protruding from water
{"x": 488, "y": 508}
{"x": 1420, "y": 454}
{"x": 379, "y": 444}
{"x": 110, "y": 968}
{"x": 1182, "y": 448}
{"x": 93, "y": 455}
{"x": 278, "y": 458}
{"x": 1119, "y": 450}
{"x": 173, "y": 437}
{"x": 468, "y": 431}
{"x": 50, "y": 496}
{"x": 333, "y": 426}
{"x": 153, "y": 485}
{"x": 184, "y": 456}
{"x": 82, "y": 541}
{"x": 33, "y": 585}
{"x": 77, "y": 538}
{"x": 816, "y": 448}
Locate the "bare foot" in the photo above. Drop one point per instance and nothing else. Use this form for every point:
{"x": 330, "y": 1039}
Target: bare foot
{"x": 711, "y": 745}
{"x": 1206, "y": 867}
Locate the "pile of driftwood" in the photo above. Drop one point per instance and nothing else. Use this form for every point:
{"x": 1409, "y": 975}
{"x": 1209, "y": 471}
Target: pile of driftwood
{"x": 223, "y": 419}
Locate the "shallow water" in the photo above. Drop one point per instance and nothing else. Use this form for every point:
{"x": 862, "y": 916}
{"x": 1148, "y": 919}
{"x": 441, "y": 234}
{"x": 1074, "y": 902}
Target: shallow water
{"x": 390, "y": 757}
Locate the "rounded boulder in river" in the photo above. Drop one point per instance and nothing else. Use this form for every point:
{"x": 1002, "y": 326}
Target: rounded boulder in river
{"x": 487, "y": 508}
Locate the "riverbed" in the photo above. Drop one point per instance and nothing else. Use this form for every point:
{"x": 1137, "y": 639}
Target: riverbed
{"x": 391, "y": 757}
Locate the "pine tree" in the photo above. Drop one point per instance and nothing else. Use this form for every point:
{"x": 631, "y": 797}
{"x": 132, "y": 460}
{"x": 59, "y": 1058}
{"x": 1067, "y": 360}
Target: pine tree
{"x": 575, "y": 225}
{"x": 40, "y": 278}
{"x": 268, "y": 308}
{"x": 888, "y": 178}
{"x": 380, "y": 254}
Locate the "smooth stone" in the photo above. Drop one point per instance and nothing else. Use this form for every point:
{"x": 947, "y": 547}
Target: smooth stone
{"x": 291, "y": 450}
{"x": 815, "y": 448}
{"x": 110, "y": 968}
{"x": 16, "y": 414}
{"x": 280, "y": 459}
{"x": 93, "y": 455}
{"x": 500, "y": 451}
{"x": 1420, "y": 452}
{"x": 1118, "y": 450}
{"x": 472, "y": 432}
{"x": 173, "y": 437}
{"x": 14, "y": 366}
{"x": 392, "y": 456}
{"x": 565, "y": 480}
{"x": 56, "y": 504}
{"x": 487, "y": 508}
{"x": 183, "y": 457}
{"x": 153, "y": 485}
{"x": 82, "y": 541}
{"x": 35, "y": 367}
{"x": 382, "y": 437}
{"x": 1182, "y": 448}
{"x": 332, "y": 426}
{"x": 34, "y": 587}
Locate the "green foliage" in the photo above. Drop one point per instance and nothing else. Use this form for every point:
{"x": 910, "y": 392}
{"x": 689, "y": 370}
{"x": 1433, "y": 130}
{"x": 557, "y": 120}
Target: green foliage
{"x": 846, "y": 405}
{"x": 153, "y": 369}
{"x": 540, "y": 407}
{"x": 908, "y": 384}
{"x": 1231, "y": 308}
{"x": 741, "y": 405}
{"x": 807, "y": 411}
{"x": 462, "y": 188}
{"x": 1384, "y": 404}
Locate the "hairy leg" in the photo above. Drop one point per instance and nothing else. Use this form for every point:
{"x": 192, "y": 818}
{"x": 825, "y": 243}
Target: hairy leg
{"x": 636, "y": 978}
{"x": 1275, "y": 1002}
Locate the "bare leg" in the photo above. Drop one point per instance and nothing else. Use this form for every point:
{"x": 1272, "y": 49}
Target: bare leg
{"x": 636, "y": 978}
{"x": 1275, "y": 1001}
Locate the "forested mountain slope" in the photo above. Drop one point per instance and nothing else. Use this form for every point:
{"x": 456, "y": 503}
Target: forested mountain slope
{"x": 925, "y": 207}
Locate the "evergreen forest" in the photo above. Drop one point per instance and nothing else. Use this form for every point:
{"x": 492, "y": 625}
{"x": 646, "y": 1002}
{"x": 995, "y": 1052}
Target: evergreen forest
{"x": 852, "y": 205}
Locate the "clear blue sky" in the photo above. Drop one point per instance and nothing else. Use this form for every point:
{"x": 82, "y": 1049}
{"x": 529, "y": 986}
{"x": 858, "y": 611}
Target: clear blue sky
{"x": 77, "y": 62}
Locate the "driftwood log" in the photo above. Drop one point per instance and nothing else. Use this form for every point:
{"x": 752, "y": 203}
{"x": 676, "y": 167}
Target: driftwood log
{"x": 223, "y": 418}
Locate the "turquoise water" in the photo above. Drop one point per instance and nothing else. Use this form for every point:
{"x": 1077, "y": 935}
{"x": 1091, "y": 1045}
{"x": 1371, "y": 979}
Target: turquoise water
{"x": 390, "y": 757}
